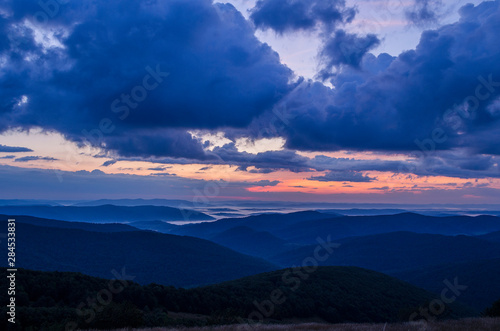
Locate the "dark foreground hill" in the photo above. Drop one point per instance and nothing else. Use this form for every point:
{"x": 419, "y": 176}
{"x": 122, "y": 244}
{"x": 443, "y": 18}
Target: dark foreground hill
{"x": 424, "y": 260}
{"x": 493, "y": 236}
{"x": 333, "y": 294}
{"x": 146, "y": 255}
{"x": 466, "y": 324}
{"x": 107, "y": 213}
{"x": 480, "y": 277}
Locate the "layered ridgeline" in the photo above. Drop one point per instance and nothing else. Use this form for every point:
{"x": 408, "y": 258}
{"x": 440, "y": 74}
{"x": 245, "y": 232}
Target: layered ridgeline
{"x": 61, "y": 301}
{"x": 98, "y": 249}
{"x": 425, "y": 260}
{"x": 107, "y": 213}
{"x": 423, "y": 250}
{"x": 305, "y": 227}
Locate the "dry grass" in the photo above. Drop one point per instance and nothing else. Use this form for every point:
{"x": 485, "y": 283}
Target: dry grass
{"x": 473, "y": 324}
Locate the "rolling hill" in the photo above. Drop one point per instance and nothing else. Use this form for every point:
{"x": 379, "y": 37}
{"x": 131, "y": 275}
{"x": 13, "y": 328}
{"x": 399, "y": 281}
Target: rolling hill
{"x": 252, "y": 242}
{"x": 159, "y": 226}
{"x": 332, "y": 294}
{"x": 342, "y": 227}
{"x": 148, "y": 256}
{"x": 397, "y": 251}
{"x": 493, "y": 236}
{"x": 480, "y": 276}
{"x": 272, "y": 223}
{"x": 305, "y": 227}
{"x": 424, "y": 260}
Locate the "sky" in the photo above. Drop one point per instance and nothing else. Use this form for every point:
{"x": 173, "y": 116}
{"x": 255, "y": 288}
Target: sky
{"x": 372, "y": 101}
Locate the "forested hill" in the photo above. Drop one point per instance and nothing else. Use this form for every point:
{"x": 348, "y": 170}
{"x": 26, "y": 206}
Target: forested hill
{"x": 332, "y": 294}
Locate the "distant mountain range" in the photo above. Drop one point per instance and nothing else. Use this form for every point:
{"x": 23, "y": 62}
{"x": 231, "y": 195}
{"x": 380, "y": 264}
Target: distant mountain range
{"x": 273, "y": 223}
{"x": 107, "y": 213}
{"x": 493, "y": 236}
{"x": 420, "y": 243}
{"x": 149, "y": 256}
{"x": 305, "y": 227}
{"x": 423, "y": 250}
{"x": 137, "y": 202}
{"x": 50, "y": 223}
{"x": 398, "y": 251}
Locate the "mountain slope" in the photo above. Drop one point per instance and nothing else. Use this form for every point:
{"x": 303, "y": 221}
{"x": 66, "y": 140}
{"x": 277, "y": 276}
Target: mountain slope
{"x": 480, "y": 277}
{"x": 397, "y": 251}
{"x": 106, "y": 213}
{"x": 305, "y": 227}
{"x": 50, "y": 223}
{"x": 249, "y": 241}
{"x": 493, "y": 236}
{"x": 136, "y": 202}
{"x": 267, "y": 222}
{"x": 333, "y": 294}
{"x": 424, "y": 260}
{"x": 159, "y": 226}
{"x": 149, "y": 256}
{"x": 342, "y": 227}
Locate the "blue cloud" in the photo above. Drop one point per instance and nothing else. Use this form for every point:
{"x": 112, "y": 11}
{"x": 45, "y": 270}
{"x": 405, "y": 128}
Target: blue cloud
{"x": 438, "y": 96}
{"x": 345, "y": 49}
{"x": 108, "y": 163}
{"x": 34, "y": 158}
{"x": 424, "y": 12}
{"x": 343, "y": 176}
{"x": 290, "y": 15}
{"x": 339, "y": 48}
{"x": 12, "y": 149}
{"x": 150, "y": 70}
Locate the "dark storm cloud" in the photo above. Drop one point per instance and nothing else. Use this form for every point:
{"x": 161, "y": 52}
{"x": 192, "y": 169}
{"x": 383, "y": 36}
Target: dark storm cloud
{"x": 322, "y": 162}
{"x": 264, "y": 162}
{"x": 159, "y": 168}
{"x": 133, "y": 77}
{"x": 263, "y": 183}
{"x": 339, "y": 48}
{"x": 157, "y": 143}
{"x": 108, "y": 163}
{"x": 345, "y": 49}
{"x": 458, "y": 164}
{"x": 290, "y": 15}
{"x": 342, "y": 176}
{"x": 13, "y": 149}
{"x": 440, "y": 96}
{"x": 130, "y": 67}
{"x": 424, "y": 12}
{"x": 34, "y": 158}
